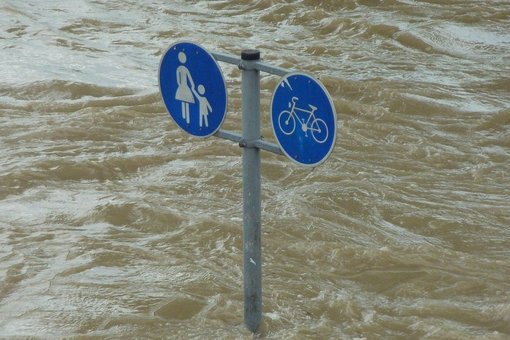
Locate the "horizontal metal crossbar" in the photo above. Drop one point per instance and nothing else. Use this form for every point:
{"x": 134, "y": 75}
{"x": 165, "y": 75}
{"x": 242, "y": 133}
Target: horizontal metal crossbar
{"x": 250, "y": 65}
{"x": 259, "y": 143}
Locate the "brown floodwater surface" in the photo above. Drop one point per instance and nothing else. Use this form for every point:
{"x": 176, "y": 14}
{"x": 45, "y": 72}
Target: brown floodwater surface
{"x": 116, "y": 224}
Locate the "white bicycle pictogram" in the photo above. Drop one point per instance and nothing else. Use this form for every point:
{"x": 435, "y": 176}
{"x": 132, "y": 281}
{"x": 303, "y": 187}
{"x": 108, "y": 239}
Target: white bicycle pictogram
{"x": 287, "y": 122}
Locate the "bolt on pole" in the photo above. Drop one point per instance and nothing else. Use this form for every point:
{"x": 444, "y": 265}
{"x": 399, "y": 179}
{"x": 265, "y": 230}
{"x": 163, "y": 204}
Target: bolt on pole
{"x": 251, "y": 190}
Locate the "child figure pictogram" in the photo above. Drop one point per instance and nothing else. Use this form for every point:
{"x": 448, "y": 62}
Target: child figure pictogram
{"x": 203, "y": 105}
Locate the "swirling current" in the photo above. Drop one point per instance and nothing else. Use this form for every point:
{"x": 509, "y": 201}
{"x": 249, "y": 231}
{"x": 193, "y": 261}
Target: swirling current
{"x": 116, "y": 224}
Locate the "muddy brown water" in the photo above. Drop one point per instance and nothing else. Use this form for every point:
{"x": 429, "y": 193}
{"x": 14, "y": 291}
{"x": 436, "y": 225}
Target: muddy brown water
{"x": 115, "y": 224}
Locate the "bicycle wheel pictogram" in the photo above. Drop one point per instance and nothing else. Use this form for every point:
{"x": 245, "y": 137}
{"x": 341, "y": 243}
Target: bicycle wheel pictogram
{"x": 319, "y": 130}
{"x": 286, "y": 122}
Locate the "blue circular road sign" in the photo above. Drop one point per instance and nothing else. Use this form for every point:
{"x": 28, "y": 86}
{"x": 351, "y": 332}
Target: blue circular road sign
{"x": 193, "y": 89}
{"x": 304, "y": 119}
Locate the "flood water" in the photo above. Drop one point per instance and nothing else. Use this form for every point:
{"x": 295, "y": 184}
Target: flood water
{"x": 116, "y": 224}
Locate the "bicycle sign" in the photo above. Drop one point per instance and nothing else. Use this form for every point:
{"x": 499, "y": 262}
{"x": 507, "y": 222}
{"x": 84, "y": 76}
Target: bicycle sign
{"x": 303, "y": 119}
{"x": 287, "y": 122}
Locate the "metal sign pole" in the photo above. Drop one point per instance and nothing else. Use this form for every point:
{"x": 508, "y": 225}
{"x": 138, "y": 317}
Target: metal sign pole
{"x": 309, "y": 144}
{"x": 251, "y": 190}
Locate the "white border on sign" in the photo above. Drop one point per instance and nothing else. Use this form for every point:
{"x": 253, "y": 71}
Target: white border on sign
{"x": 284, "y": 78}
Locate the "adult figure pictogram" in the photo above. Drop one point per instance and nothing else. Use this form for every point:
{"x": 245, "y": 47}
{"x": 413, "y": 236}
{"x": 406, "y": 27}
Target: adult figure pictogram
{"x": 185, "y": 87}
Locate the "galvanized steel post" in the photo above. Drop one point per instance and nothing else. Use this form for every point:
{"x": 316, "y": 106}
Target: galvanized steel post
{"x": 251, "y": 190}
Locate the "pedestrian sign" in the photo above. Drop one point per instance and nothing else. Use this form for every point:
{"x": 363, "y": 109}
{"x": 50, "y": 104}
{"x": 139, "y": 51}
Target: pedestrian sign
{"x": 303, "y": 119}
{"x": 193, "y": 89}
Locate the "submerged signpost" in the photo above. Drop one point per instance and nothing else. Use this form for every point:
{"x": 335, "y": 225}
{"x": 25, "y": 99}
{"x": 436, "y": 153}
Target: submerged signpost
{"x": 303, "y": 118}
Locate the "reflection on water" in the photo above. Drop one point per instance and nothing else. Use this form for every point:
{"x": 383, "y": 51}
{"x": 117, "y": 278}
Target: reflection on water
{"x": 114, "y": 223}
